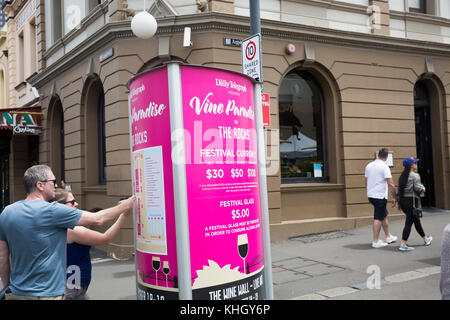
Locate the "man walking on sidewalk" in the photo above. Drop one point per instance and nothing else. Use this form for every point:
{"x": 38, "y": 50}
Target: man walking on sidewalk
{"x": 378, "y": 182}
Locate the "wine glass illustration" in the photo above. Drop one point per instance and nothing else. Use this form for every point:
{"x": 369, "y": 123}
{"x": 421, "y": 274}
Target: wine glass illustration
{"x": 166, "y": 270}
{"x": 243, "y": 247}
{"x": 156, "y": 263}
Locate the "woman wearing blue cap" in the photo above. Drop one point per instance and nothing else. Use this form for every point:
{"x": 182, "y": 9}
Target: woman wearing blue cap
{"x": 409, "y": 190}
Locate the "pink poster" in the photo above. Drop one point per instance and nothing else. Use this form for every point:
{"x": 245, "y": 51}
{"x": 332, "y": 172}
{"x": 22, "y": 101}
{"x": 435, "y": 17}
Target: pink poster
{"x": 225, "y": 226}
{"x": 156, "y": 256}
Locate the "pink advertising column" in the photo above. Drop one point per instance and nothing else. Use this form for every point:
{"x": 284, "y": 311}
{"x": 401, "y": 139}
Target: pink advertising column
{"x": 198, "y": 221}
{"x": 154, "y": 213}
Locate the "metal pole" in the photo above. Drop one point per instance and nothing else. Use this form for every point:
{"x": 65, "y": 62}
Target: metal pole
{"x": 179, "y": 183}
{"x": 263, "y": 192}
{"x": 255, "y": 28}
{"x": 255, "y": 20}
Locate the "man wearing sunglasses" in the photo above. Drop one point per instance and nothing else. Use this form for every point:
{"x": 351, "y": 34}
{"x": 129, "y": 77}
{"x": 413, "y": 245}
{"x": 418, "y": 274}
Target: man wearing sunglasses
{"x": 34, "y": 231}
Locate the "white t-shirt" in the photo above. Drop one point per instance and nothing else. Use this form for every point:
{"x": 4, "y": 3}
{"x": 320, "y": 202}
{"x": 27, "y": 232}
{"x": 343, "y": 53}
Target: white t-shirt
{"x": 376, "y": 173}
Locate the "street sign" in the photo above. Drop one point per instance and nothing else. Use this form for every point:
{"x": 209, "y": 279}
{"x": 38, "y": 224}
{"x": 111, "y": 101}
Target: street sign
{"x": 252, "y": 58}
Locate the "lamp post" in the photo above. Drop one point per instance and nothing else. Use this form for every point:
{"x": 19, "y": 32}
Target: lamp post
{"x": 255, "y": 20}
{"x": 255, "y": 28}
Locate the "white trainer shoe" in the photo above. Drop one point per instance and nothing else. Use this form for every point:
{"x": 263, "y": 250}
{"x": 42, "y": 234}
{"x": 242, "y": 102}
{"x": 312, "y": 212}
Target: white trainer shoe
{"x": 391, "y": 239}
{"x": 379, "y": 244}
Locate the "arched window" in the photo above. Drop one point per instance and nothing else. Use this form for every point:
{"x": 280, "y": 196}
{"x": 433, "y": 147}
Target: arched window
{"x": 101, "y": 137}
{"x": 57, "y": 146}
{"x": 95, "y": 152}
{"x": 303, "y": 153}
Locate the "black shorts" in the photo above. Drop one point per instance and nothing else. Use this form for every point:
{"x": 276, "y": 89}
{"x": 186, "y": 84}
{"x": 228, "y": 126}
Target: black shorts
{"x": 380, "y": 212}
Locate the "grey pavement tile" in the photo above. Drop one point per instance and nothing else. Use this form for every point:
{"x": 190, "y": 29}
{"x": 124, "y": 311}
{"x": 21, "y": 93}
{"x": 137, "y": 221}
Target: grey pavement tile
{"x": 287, "y": 277}
{"x": 319, "y": 269}
{"x": 311, "y": 296}
{"x": 294, "y": 263}
{"x": 336, "y": 292}
{"x": 405, "y": 276}
{"x": 277, "y": 269}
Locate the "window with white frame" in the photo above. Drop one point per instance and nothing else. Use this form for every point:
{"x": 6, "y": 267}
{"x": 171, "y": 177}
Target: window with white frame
{"x": 417, "y": 6}
{"x": 432, "y": 7}
{"x": 66, "y": 15}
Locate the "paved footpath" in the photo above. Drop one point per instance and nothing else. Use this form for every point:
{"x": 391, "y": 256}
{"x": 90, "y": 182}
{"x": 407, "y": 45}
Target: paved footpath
{"x": 334, "y": 265}
{"x": 338, "y": 265}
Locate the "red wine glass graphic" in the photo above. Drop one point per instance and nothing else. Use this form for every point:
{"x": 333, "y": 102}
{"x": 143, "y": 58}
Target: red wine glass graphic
{"x": 243, "y": 247}
{"x": 166, "y": 270}
{"x": 156, "y": 263}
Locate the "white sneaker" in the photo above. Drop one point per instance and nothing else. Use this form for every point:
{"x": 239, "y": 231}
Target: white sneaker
{"x": 428, "y": 241}
{"x": 391, "y": 239}
{"x": 379, "y": 244}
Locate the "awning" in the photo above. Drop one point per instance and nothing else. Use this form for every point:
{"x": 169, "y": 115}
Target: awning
{"x": 23, "y": 120}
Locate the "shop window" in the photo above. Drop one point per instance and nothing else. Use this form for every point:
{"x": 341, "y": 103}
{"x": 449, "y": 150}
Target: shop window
{"x": 302, "y": 130}
{"x": 4, "y": 169}
{"x": 417, "y": 6}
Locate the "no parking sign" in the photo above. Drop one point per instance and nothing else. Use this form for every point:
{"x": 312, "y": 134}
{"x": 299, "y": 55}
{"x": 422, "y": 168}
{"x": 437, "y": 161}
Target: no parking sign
{"x": 251, "y": 57}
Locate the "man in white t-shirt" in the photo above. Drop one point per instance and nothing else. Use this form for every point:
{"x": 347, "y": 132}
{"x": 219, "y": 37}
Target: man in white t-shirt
{"x": 378, "y": 183}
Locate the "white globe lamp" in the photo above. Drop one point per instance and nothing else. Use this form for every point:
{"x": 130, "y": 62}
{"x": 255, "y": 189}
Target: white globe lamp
{"x": 144, "y": 25}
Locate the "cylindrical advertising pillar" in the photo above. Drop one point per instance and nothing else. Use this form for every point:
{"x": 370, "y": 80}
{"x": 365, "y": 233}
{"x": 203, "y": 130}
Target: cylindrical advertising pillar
{"x": 198, "y": 220}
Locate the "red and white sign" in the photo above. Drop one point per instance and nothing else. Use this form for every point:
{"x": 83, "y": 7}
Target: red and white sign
{"x": 266, "y": 109}
{"x": 251, "y": 57}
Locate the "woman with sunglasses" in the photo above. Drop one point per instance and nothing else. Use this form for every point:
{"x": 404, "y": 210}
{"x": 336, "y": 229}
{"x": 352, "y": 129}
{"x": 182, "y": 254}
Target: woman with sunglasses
{"x": 79, "y": 242}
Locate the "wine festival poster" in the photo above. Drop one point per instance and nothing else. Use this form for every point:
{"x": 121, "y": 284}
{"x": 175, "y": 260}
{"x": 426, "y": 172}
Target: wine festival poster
{"x": 225, "y": 226}
{"x": 156, "y": 256}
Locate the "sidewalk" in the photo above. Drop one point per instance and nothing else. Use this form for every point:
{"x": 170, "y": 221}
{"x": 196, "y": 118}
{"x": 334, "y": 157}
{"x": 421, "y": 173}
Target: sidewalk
{"x": 332, "y": 265}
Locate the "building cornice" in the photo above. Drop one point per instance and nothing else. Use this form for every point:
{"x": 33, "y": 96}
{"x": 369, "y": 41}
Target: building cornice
{"x": 334, "y": 5}
{"x": 420, "y": 17}
{"x": 230, "y": 24}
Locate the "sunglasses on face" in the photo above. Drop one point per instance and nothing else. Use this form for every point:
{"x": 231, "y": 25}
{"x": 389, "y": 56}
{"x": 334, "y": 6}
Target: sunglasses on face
{"x": 54, "y": 181}
{"x": 71, "y": 201}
